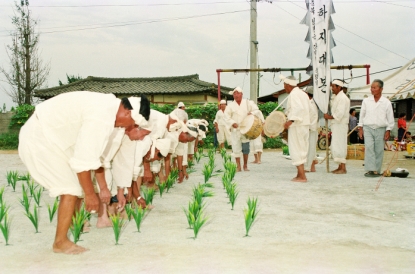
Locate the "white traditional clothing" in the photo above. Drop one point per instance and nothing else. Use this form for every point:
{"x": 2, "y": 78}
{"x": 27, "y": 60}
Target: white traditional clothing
{"x": 235, "y": 113}
{"x": 376, "y": 118}
{"x": 313, "y": 135}
{"x": 224, "y": 133}
{"x": 298, "y": 110}
{"x": 339, "y": 127}
{"x": 66, "y": 135}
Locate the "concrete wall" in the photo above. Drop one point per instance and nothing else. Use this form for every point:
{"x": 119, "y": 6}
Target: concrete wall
{"x": 5, "y": 119}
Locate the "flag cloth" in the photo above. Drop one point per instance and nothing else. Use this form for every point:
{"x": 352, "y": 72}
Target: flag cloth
{"x": 318, "y": 19}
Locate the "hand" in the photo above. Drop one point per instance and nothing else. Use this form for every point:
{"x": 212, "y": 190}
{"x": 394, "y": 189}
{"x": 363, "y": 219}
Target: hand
{"x": 121, "y": 199}
{"x": 217, "y": 130}
{"x": 360, "y": 133}
{"x": 141, "y": 202}
{"x": 137, "y": 133}
{"x": 287, "y": 124}
{"x": 91, "y": 202}
{"x": 327, "y": 117}
{"x": 105, "y": 195}
{"x": 234, "y": 125}
{"x": 387, "y": 135}
{"x": 148, "y": 176}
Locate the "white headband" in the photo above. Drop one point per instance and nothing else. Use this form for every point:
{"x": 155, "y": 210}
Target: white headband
{"x": 338, "y": 82}
{"x": 291, "y": 82}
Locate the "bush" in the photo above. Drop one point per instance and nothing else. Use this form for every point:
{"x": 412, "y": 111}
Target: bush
{"x": 273, "y": 143}
{"x": 9, "y": 140}
{"x": 22, "y": 114}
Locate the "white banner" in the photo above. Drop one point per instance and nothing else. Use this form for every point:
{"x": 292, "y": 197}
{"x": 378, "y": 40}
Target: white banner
{"x": 318, "y": 19}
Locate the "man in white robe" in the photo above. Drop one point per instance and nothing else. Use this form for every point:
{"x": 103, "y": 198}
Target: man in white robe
{"x": 222, "y": 129}
{"x": 339, "y": 125}
{"x": 62, "y": 143}
{"x": 298, "y": 125}
{"x": 310, "y": 165}
{"x": 235, "y": 113}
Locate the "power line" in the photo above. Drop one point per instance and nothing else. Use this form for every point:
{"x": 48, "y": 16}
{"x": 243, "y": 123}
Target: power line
{"x": 364, "y": 75}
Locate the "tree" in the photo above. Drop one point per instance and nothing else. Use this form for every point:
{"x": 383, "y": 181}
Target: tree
{"x": 27, "y": 71}
{"x": 71, "y": 79}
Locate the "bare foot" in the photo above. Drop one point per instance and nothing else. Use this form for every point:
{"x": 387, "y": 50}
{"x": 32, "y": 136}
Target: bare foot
{"x": 246, "y": 168}
{"x": 68, "y": 247}
{"x": 298, "y": 180}
{"x": 254, "y": 162}
{"x": 259, "y": 162}
{"x": 334, "y": 171}
{"x": 103, "y": 222}
{"x": 315, "y": 162}
{"x": 238, "y": 170}
{"x": 340, "y": 171}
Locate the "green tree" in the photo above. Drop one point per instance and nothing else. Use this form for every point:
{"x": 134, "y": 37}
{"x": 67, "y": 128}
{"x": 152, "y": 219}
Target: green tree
{"x": 27, "y": 71}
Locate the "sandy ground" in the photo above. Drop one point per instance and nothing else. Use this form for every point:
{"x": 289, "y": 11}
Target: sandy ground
{"x": 333, "y": 224}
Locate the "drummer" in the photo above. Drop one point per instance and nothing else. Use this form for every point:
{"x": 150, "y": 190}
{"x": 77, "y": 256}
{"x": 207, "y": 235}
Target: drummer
{"x": 298, "y": 125}
{"x": 235, "y": 113}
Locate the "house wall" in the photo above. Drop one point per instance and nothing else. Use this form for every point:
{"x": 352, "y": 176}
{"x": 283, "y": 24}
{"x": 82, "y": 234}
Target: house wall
{"x": 174, "y": 99}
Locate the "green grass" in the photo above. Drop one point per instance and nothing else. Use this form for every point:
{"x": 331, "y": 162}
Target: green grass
{"x": 9, "y": 140}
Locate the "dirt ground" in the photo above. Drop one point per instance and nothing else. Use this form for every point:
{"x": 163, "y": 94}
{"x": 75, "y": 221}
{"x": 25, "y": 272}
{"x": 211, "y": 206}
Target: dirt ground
{"x": 332, "y": 224}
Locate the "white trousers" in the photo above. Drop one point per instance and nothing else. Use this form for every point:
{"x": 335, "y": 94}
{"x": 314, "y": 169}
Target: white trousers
{"x": 339, "y": 142}
{"x": 298, "y": 144}
{"x": 311, "y": 155}
{"x": 256, "y": 145}
{"x": 237, "y": 139}
{"x": 223, "y": 135}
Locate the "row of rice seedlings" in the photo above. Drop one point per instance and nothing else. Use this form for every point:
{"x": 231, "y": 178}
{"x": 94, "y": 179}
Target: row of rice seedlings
{"x": 230, "y": 170}
{"x": 78, "y": 221}
{"x": 5, "y": 227}
{"x": 148, "y": 195}
{"x": 53, "y": 209}
{"x": 12, "y": 178}
{"x": 250, "y": 214}
{"x": 34, "y": 217}
{"x": 25, "y": 201}
{"x": 118, "y": 223}
{"x": 138, "y": 215}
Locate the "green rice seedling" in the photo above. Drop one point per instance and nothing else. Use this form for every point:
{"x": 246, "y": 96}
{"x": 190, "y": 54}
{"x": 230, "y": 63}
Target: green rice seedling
{"x": 192, "y": 212}
{"x": 32, "y": 187}
{"x": 1, "y": 194}
{"x": 199, "y": 193}
{"x": 37, "y": 195}
{"x": 148, "y": 194}
{"x": 34, "y": 217}
{"x": 223, "y": 153}
{"x": 25, "y": 177}
{"x": 207, "y": 172}
{"x": 138, "y": 215}
{"x": 190, "y": 164}
{"x": 233, "y": 194}
{"x": 78, "y": 221}
{"x": 226, "y": 179}
{"x": 250, "y": 214}
{"x": 25, "y": 201}
{"x": 197, "y": 156}
{"x": 129, "y": 210}
{"x": 12, "y": 177}
{"x": 3, "y": 210}
{"x": 174, "y": 173}
{"x": 52, "y": 210}
{"x": 161, "y": 186}
{"x": 198, "y": 223}
{"x": 5, "y": 228}
{"x": 117, "y": 225}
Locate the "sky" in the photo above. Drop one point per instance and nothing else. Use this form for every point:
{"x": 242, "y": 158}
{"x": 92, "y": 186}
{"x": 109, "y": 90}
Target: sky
{"x": 155, "y": 38}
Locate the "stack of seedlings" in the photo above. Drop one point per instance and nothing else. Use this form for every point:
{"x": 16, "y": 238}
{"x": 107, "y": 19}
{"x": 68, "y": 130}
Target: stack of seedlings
{"x": 4, "y": 217}
{"x": 195, "y": 211}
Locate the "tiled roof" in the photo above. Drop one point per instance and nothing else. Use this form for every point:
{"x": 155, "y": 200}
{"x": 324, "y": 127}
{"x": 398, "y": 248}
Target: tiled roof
{"x": 189, "y": 84}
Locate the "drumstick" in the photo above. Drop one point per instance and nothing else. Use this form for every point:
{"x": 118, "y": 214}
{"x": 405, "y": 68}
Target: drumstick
{"x": 279, "y": 105}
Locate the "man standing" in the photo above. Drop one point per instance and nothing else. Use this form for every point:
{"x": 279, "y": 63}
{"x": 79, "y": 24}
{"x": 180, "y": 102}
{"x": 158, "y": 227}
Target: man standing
{"x": 375, "y": 125}
{"x": 310, "y": 165}
{"x": 298, "y": 125}
{"x": 62, "y": 143}
{"x": 222, "y": 129}
{"x": 235, "y": 113}
{"x": 339, "y": 125}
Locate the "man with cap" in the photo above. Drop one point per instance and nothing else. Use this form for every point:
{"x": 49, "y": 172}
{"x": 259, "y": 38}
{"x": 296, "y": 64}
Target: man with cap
{"x": 235, "y": 113}
{"x": 298, "y": 125}
{"x": 339, "y": 125}
{"x": 62, "y": 143}
{"x": 310, "y": 165}
{"x": 222, "y": 129}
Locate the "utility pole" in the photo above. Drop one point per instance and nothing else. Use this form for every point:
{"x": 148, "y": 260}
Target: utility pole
{"x": 253, "y": 52}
